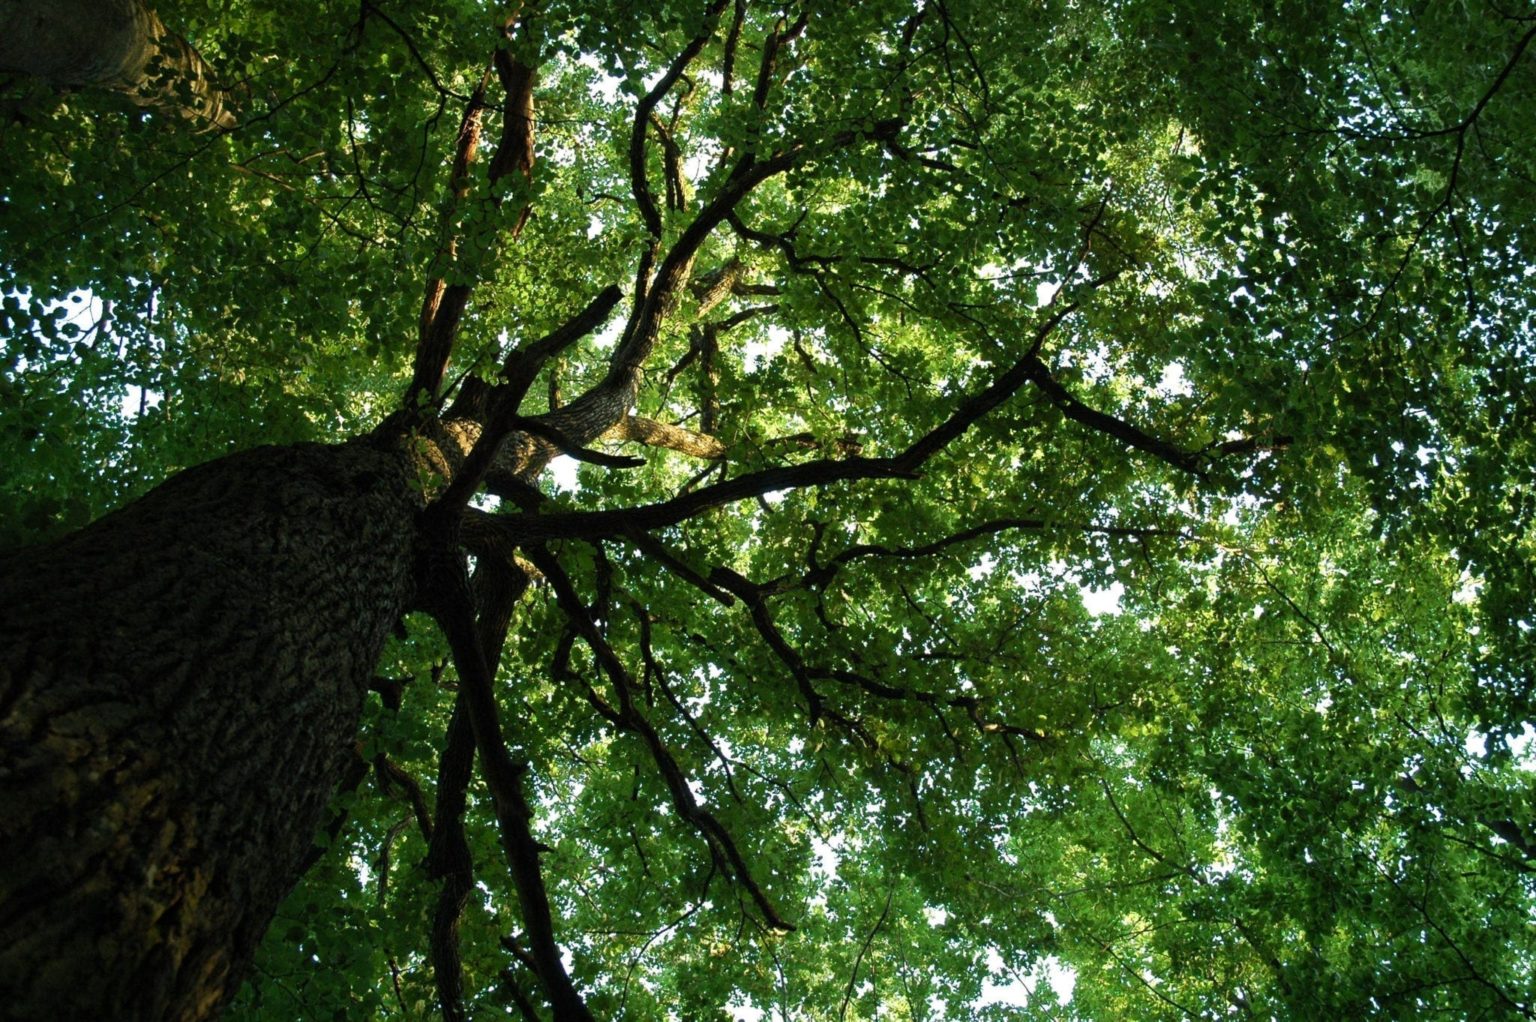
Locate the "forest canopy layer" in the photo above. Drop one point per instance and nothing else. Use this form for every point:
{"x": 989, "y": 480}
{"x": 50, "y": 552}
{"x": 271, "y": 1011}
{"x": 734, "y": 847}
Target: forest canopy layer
{"x": 914, "y": 510}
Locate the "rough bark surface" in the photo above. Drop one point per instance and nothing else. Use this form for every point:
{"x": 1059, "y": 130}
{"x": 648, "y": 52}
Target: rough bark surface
{"x": 180, "y": 687}
{"x": 661, "y": 434}
{"x": 113, "y": 44}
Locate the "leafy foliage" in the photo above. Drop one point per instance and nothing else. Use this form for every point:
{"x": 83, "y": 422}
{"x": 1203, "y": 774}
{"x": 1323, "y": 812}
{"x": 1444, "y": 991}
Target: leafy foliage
{"x": 1264, "y": 269}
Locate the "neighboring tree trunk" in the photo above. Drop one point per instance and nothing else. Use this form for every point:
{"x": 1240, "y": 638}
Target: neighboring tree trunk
{"x": 114, "y": 44}
{"x": 180, "y": 688}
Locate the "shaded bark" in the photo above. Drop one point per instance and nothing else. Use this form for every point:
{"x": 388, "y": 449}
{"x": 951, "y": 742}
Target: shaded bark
{"x": 112, "y": 44}
{"x": 180, "y": 687}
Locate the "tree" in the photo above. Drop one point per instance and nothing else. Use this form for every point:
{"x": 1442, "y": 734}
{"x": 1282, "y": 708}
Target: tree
{"x": 1052, "y": 509}
{"x": 120, "y": 45}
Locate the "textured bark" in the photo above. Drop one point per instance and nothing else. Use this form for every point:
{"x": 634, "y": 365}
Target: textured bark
{"x": 180, "y": 686}
{"x": 659, "y": 434}
{"x": 111, "y": 44}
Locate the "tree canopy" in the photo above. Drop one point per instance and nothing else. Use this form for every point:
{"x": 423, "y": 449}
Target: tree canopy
{"x": 1070, "y": 555}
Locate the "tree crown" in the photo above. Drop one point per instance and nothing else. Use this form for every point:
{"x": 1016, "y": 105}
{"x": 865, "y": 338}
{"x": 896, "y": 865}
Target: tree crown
{"x": 1081, "y": 565}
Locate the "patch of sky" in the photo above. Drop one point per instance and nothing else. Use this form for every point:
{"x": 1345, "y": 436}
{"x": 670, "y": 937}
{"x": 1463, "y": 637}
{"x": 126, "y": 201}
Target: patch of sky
{"x": 1008, "y": 987}
{"x": 1521, "y": 747}
{"x": 1059, "y": 574}
{"x": 1095, "y": 364}
{"x": 1100, "y": 602}
{"x": 1466, "y": 592}
{"x": 1174, "y": 383}
{"x": 81, "y": 315}
{"x": 757, "y": 351}
{"x": 137, "y": 401}
{"x": 608, "y": 336}
{"x": 562, "y": 473}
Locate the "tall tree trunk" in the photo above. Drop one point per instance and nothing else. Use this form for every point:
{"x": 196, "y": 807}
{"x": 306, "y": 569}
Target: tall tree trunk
{"x": 113, "y": 44}
{"x": 180, "y": 687}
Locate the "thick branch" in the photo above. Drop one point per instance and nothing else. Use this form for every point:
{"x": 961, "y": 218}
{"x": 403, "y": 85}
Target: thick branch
{"x": 449, "y": 598}
{"x": 433, "y": 337}
{"x": 1098, "y": 421}
{"x": 498, "y": 585}
{"x": 599, "y": 524}
{"x": 514, "y": 150}
{"x": 524, "y": 364}
{"x": 448, "y": 860}
{"x": 590, "y": 415}
{"x": 444, "y": 306}
{"x": 660, "y": 434}
{"x": 391, "y": 774}
{"x": 824, "y": 472}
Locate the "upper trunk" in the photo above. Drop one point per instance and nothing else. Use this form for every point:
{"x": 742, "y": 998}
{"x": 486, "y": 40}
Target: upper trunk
{"x": 180, "y": 687}
{"x": 114, "y": 44}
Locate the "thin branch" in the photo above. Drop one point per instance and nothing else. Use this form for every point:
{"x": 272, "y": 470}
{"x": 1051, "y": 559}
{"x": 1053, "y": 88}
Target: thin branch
{"x": 639, "y": 184}
{"x": 994, "y": 526}
{"x": 1422, "y": 908}
{"x": 372, "y": 10}
{"x": 627, "y": 716}
{"x": 656, "y": 551}
{"x": 853, "y": 974}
